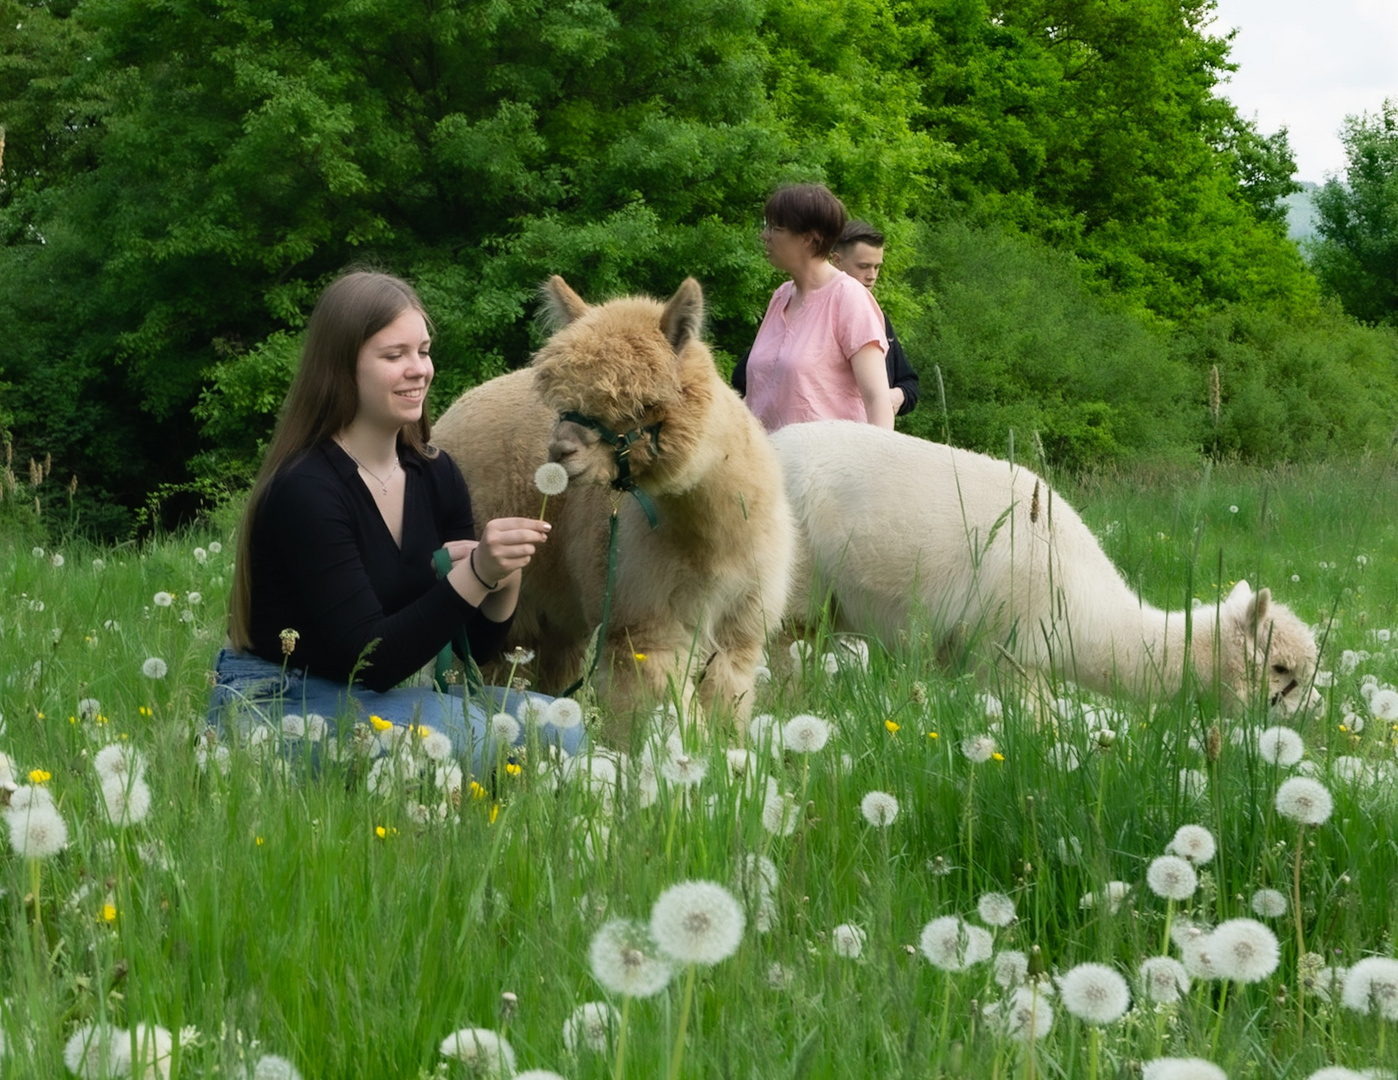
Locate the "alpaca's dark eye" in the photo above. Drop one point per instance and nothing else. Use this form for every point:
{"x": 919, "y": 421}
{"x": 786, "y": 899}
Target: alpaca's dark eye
{"x": 1280, "y": 669}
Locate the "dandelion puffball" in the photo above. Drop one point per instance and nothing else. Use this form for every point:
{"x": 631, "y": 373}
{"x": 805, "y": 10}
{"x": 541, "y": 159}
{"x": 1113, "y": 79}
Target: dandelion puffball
{"x": 1384, "y": 704}
{"x": 996, "y": 909}
{"x": 155, "y": 668}
{"x": 879, "y": 808}
{"x": 1025, "y": 1015}
{"x": 1305, "y": 800}
{"x": 625, "y": 960}
{"x": 504, "y": 728}
{"x": 805, "y": 734}
{"x": 127, "y": 799}
{"x": 1280, "y": 746}
{"x": 563, "y": 713}
{"x": 1193, "y": 842}
{"x": 1164, "y": 979}
{"x": 1182, "y": 1069}
{"x": 551, "y": 478}
{"x": 978, "y": 748}
{"x": 589, "y": 1026}
{"x": 37, "y": 832}
{"x": 98, "y": 1050}
{"x": 1011, "y": 967}
{"x": 697, "y": 922}
{"x": 275, "y": 1067}
{"x": 847, "y": 940}
{"x": 162, "y": 599}
{"x": 1095, "y": 993}
{"x": 1269, "y": 903}
{"x": 952, "y": 944}
{"x": 1371, "y": 986}
{"x": 1172, "y": 878}
{"x": 120, "y": 760}
{"x": 483, "y": 1052}
{"x": 1243, "y": 950}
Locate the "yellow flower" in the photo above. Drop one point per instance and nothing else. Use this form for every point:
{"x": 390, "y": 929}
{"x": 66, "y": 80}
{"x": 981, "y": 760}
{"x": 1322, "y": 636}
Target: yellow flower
{"x": 380, "y": 832}
{"x": 933, "y": 735}
{"x": 102, "y": 719}
{"x": 1343, "y": 728}
{"x": 422, "y": 731}
{"x": 144, "y": 711}
{"x": 38, "y": 776}
{"x": 998, "y": 756}
{"x": 72, "y": 719}
{"x": 259, "y": 841}
{"x": 109, "y": 913}
{"x": 639, "y": 655}
{"x": 39, "y": 715}
{"x": 494, "y": 812}
{"x": 892, "y": 727}
{"x": 476, "y": 791}
{"x": 380, "y": 724}
{"x": 512, "y": 768}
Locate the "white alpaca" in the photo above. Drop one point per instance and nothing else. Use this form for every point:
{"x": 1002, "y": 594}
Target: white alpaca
{"x": 897, "y": 530}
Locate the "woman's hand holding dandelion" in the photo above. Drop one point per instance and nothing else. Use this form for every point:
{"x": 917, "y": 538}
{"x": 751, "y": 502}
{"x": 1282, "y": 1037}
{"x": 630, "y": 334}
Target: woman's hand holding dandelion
{"x": 485, "y": 569}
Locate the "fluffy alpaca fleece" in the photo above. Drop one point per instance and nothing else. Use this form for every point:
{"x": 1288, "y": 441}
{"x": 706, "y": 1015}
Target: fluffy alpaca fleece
{"x": 898, "y": 530}
{"x": 696, "y": 596}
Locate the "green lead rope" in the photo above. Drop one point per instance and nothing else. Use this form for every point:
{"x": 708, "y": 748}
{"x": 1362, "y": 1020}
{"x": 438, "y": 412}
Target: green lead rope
{"x": 441, "y": 561}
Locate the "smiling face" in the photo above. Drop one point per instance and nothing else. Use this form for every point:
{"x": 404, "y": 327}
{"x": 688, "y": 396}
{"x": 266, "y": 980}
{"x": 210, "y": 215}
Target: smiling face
{"x": 393, "y": 373}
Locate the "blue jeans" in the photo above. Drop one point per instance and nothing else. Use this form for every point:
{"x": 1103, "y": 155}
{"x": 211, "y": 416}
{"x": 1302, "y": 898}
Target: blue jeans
{"x": 249, "y": 690}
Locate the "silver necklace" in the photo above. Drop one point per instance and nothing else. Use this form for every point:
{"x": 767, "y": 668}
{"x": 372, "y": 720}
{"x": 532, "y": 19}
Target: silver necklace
{"x": 382, "y": 480}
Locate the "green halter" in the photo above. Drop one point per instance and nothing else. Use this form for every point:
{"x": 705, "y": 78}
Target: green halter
{"x": 621, "y": 445}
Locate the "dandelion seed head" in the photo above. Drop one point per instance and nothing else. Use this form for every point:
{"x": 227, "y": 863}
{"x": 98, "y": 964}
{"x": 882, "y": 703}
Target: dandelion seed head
{"x": 805, "y": 734}
{"x": 1244, "y": 950}
{"x": 483, "y": 1052}
{"x": 274, "y": 1067}
{"x": 154, "y": 1049}
{"x": 563, "y": 713}
{"x": 626, "y": 960}
{"x": 847, "y": 940}
{"x": 127, "y": 799}
{"x": 697, "y": 922}
{"x": 589, "y": 1027}
{"x": 119, "y": 760}
{"x": 436, "y": 746}
{"x": 780, "y": 814}
{"x": 1172, "y": 1068}
{"x": 1172, "y": 878}
{"x": 1305, "y": 800}
{"x": 978, "y": 748}
{"x": 1339, "y": 1072}
{"x": 996, "y": 909}
{"x": 1269, "y": 903}
{"x": 38, "y": 832}
{"x": 89, "y": 708}
{"x": 551, "y": 478}
{"x": 1095, "y": 993}
{"x": 952, "y": 944}
{"x": 1280, "y": 746}
{"x": 1163, "y": 979}
{"x": 756, "y": 874}
{"x": 217, "y": 755}
{"x": 1371, "y": 986}
{"x": 154, "y": 668}
{"x": 879, "y": 808}
{"x": 1193, "y": 783}
{"x": 1011, "y": 968}
{"x": 162, "y": 599}
{"x": 1026, "y": 1014}
{"x": 95, "y": 1050}
{"x": 1384, "y": 704}
{"x": 1193, "y": 842}
{"x": 504, "y": 729}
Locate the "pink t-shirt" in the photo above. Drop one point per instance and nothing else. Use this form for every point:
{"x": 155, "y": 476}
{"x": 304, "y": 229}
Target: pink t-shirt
{"x": 799, "y": 366}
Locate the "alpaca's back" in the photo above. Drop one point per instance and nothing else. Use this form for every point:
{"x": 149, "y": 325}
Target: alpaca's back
{"x": 899, "y": 530}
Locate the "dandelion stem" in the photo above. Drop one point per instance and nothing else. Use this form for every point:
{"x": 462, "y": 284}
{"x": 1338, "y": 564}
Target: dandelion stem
{"x": 1169, "y": 916}
{"x": 676, "y": 796}
{"x": 35, "y": 879}
{"x": 1218, "y": 1024}
{"x": 971, "y": 829}
{"x": 620, "y": 1068}
{"x": 946, "y": 1016}
{"x": 1300, "y": 931}
{"x": 677, "y": 1055}
{"x": 1093, "y": 1045}
{"x": 544, "y": 506}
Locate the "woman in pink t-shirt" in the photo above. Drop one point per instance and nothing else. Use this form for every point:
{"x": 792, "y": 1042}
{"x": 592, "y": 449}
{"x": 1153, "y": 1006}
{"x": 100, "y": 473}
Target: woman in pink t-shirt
{"x": 819, "y": 353}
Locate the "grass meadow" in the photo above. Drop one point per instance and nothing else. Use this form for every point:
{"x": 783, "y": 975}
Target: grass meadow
{"x": 349, "y": 920}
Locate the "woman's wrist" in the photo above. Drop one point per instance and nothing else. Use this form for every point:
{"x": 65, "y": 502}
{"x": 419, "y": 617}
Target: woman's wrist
{"x": 487, "y": 586}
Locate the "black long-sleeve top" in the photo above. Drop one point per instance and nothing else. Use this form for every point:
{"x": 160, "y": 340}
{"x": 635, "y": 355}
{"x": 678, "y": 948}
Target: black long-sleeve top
{"x": 901, "y": 375}
{"x": 324, "y": 564}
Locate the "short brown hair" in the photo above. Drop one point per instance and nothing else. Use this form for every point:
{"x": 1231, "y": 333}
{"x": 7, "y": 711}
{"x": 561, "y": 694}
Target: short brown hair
{"x": 808, "y": 208}
{"x": 859, "y": 232}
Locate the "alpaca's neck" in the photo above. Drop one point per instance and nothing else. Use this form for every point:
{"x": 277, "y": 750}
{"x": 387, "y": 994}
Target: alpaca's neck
{"x": 1127, "y": 642}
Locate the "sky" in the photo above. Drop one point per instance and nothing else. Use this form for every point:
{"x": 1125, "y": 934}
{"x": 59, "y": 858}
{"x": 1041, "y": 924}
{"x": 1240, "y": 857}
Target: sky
{"x": 1306, "y": 64}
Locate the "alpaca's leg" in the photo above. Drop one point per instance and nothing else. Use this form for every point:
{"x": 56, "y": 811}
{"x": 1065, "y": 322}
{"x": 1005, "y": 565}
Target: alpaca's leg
{"x": 641, "y": 670}
{"x": 728, "y": 682}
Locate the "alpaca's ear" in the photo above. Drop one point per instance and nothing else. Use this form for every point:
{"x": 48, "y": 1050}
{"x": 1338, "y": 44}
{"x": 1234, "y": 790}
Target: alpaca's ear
{"x": 1257, "y": 607}
{"x": 1239, "y": 594}
{"x": 561, "y": 304}
{"x": 684, "y": 314}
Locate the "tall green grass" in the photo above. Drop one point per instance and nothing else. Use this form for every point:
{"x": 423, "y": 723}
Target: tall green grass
{"x": 272, "y": 911}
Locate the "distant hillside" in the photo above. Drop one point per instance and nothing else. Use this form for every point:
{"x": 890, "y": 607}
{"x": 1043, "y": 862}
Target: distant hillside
{"x": 1300, "y": 212}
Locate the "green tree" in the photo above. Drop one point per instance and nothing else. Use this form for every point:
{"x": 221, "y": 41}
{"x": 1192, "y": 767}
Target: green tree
{"x": 1356, "y": 255}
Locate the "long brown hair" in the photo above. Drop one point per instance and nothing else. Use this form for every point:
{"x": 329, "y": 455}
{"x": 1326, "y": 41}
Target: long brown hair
{"x": 323, "y": 399}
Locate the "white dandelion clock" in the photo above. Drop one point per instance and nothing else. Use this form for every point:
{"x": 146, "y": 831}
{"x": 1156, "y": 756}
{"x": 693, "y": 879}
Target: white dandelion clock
{"x": 996, "y": 909}
{"x": 1172, "y": 878}
{"x": 756, "y": 875}
{"x": 684, "y": 770}
{"x": 551, "y": 478}
{"x": 1026, "y": 1014}
{"x": 1371, "y": 987}
{"x": 154, "y": 1049}
{"x": 1269, "y": 903}
{"x": 1193, "y": 842}
{"x": 1172, "y": 1068}
{"x": 275, "y": 1067}
{"x": 563, "y": 713}
{"x": 589, "y": 1027}
{"x": 1114, "y": 895}
{"x": 847, "y": 940}
{"x": 436, "y": 746}
{"x": 539, "y": 1074}
{"x": 1280, "y": 746}
{"x": 1095, "y": 993}
{"x": 127, "y": 800}
{"x": 1244, "y": 950}
{"x": 155, "y": 668}
{"x": 780, "y": 814}
{"x": 952, "y": 944}
{"x": 1163, "y": 979}
{"x": 697, "y": 922}
{"x": 38, "y": 832}
{"x": 805, "y": 734}
{"x": 89, "y": 708}
{"x": 504, "y": 729}
{"x": 216, "y": 756}
{"x": 1339, "y": 1072}
{"x": 294, "y": 726}
{"x": 120, "y": 760}
{"x": 1384, "y": 705}
{"x": 162, "y": 599}
{"x": 879, "y": 808}
{"x": 625, "y": 960}
{"x": 1011, "y": 968}
{"x": 28, "y": 797}
{"x": 1305, "y": 800}
{"x": 483, "y": 1052}
{"x": 978, "y": 748}
{"x": 98, "y": 1050}
{"x": 201, "y": 555}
